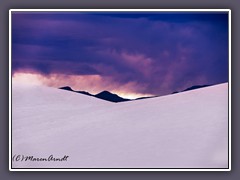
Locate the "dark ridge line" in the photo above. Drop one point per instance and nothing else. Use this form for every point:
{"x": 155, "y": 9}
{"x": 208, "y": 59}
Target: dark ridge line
{"x": 108, "y": 96}
{"x": 104, "y": 95}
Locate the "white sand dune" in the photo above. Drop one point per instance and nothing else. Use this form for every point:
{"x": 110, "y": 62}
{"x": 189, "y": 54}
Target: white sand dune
{"x": 184, "y": 130}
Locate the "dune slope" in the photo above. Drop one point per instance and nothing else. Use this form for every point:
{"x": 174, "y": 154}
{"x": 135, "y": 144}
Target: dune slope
{"x": 184, "y": 130}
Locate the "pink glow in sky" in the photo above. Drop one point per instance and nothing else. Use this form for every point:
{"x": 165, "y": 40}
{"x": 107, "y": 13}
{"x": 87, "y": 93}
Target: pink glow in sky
{"x": 127, "y": 53}
{"x": 90, "y": 83}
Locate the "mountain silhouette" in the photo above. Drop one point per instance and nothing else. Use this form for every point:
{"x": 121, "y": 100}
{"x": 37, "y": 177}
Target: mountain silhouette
{"x": 192, "y": 88}
{"x": 70, "y": 89}
{"x": 105, "y": 95}
{"x": 66, "y": 88}
{"x": 196, "y": 87}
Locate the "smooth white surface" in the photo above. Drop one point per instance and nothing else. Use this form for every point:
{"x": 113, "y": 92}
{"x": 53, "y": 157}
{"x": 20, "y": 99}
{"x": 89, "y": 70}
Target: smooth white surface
{"x": 185, "y": 130}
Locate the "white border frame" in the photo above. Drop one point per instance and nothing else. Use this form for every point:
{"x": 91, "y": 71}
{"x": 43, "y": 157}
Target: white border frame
{"x": 119, "y": 10}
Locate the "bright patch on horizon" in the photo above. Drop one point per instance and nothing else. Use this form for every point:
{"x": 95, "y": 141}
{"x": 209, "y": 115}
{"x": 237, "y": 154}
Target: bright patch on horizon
{"x": 27, "y": 78}
{"x": 132, "y": 95}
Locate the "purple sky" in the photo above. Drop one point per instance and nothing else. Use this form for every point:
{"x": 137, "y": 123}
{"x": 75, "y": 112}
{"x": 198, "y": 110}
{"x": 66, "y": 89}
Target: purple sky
{"x": 145, "y": 53}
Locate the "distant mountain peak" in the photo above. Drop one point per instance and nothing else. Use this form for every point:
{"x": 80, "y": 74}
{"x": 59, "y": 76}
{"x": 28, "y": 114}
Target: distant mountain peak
{"x": 106, "y": 92}
{"x": 66, "y": 88}
{"x": 195, "y": 87}
{"x": 106, "y": 95}
{"x": 192, "y": 88}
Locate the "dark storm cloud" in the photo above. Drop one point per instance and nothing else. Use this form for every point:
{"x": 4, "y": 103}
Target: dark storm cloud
{"x": 162, "y": 52}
